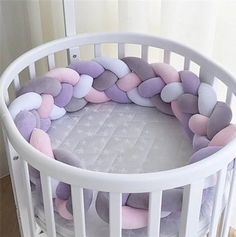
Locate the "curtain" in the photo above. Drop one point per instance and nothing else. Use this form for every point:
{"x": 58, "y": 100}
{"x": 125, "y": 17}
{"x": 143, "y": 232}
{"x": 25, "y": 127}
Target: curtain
{"x": 206, "y": 25}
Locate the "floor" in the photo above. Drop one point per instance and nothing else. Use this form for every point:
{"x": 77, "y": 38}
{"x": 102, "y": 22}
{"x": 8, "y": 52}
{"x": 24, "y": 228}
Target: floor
{"x": 8, "y": 220}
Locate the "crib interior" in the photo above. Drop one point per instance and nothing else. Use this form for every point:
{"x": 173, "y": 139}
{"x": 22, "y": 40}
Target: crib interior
{"x": 192, "y": 192}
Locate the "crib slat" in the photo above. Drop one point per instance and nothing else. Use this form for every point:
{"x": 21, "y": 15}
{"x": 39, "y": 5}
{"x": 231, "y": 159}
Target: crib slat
{"x": 229, "y": 96}
{"x": 217, "y": 202}
{"x": 206, "y": 76}
{"x": 51, "y": 61}
{"x": 166, "y": 56}
{"x": 48, "y": 205}
{"x": 228, "y": 210}
{"x": 78, "y": 211}
{"x": 186, "y": 63}
{"x": 144, "y": 52}
{"x": 7, "y": 98}
{"x": 16, "y": 82}
{"x": 192, "y": 197}
{"x": 97, "y": 50}
{"x": 115, "y": 218}
{"x": 154, "y": 213}
{"x": 32, "y": 71}
{"x": 121, "y": 50}
{"x": 27, "y": 188}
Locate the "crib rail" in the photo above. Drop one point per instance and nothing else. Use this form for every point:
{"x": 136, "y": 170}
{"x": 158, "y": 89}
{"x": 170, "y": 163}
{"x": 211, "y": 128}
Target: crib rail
{"x": 115, "y": 184}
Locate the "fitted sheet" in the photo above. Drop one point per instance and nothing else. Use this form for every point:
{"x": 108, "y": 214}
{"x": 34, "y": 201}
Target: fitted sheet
{"x": 118, "y": 138}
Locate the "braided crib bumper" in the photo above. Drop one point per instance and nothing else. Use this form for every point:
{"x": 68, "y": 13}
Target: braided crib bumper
{"x": 128, "y": 80}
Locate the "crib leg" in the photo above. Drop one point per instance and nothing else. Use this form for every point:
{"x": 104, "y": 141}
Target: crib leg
{"x": 18, "y": 189}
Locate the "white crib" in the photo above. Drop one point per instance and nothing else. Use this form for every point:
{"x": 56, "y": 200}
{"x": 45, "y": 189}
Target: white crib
{"x": 21, "y": 154}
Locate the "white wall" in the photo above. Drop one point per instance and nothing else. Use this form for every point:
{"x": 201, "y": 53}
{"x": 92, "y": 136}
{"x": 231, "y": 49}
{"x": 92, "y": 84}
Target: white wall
{"x": 14, "y": 40}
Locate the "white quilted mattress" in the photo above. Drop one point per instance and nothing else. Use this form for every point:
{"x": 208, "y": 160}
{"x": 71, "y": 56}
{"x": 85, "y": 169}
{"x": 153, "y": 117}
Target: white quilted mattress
{"x": 120, "y": 138}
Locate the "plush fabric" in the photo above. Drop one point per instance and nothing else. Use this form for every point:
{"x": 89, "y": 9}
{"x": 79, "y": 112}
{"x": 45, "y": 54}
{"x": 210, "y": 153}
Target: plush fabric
{"x": 91, "y": 68}
{"x": 37, "y": 117}
{"x": 167, "y": 72}
{"x": 161, "y": 105}
{"x": 219, "y": 119}
{"x": 133, "y": 218}
{"x": 202, "y": 154}
{"x": 88, "y": 197}
{"x": 198, "y": 124}
{"x": 66, "y": 75}
{"x": 82, "y": 88}
{"x": 190, "y": 82}
{"x": 182, "y": 117}
{"x": 54, "y": 185}
{"x": 27, "y": 101}
{"x": 46, "y": 106}
{"x": 64, "y": 96}
{"x": 25, "y": 121}
{"x": 135, "y": 97}
{"x": 206, "y": 99}
{"x": 67, "y": 157}
{"x": 41, "y": 141}
{"x": 137, "y": 65}
{"x": 114, "y": 65}
{"x": 224, "y": 136}
{"x": 171, "y": 91}
{"x": 96, "y": 96}
{"x": 57, "y": 112}
{"x": 75, "y": 104}
{"x": 63, "y": 191}
{"x": 44, "y": 85}
{"x": 60, "y": 206}
{"x": 188, "y": 103}
{"x": 151, "y": 87}
{"x": 128, "y": 82}
{"x": 171, "y": 201}
{"x": 199, "y": 142}
{"x": 117, "y": 94}
{"x": 105, "y": 81}
{"x": 45, "y": 124}
{"x": 137, "y": 215}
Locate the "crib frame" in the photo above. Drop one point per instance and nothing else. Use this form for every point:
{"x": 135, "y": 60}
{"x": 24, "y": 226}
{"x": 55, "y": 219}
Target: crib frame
{"x": 20, "y": 153}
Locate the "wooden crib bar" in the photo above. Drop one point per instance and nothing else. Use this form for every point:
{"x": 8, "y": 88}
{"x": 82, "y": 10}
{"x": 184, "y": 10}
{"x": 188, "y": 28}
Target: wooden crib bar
{"x": 154, "y": 213}
{"x": 78, "y": 211}
{"x": 217, "y": 208}
{"x": 144, "y": 52}
{"x": 32, "y": 71}
{"x": 206, "y": 76}
{"x": 186, "y": 63}
{"x": 191, "y": 209}
{"x": 16, "y": 82}
{"x": 28, "y": 195}
{"x": 115, "y": 215}
{"x": 228, "y": 209}
{"x": 167, "y": 54}
{"x": 97, "y": 50}
{"x": 121, "y": 50}
{"x": 229, "y": 96}
{"x": 48, "y": 204}
{"x": 51, "y": 61}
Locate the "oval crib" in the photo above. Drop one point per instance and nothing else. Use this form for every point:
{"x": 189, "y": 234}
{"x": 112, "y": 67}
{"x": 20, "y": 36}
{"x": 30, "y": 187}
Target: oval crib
{"x": 191, "y": 177}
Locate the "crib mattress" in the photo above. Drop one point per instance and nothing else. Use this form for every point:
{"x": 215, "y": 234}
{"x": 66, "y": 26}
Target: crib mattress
{"x": 118, "y": 138}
